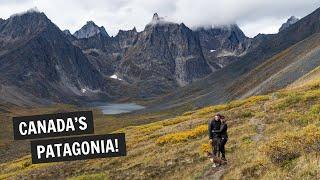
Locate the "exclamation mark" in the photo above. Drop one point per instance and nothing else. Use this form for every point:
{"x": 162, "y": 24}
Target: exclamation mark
{"x": 116, "y": 145}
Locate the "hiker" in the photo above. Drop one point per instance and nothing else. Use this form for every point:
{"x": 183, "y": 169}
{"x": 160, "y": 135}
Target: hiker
{"x": 214, "y": 125}
{"x": 223, "y": 134}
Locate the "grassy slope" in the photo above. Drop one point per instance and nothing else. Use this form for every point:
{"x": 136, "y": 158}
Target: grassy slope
{"x": 273, "y": 136}
{"x": 103, "y": 124}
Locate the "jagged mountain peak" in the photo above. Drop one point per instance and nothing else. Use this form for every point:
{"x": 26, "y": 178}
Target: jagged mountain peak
{"x": 91, "y": 23}
{"x": 221, "y": 27}
{"x": 1, "y": 20}
{"x": 293, "y": 18}
{"x": 90, "y": 29}
{"x": 41, "y": 60}
{"x": 289, "y": 22}
{"x": 66, "y": 32}
{"x": 68, "y": 35}
{"x": 158, "y": 20}
{"x": 34, "y": 10}
{"x": 26, "y": 24}
{"x": 156, "y": 17}
{"x": 223, "y": 30}
{"x": 133, "y": 30}
{"x": 222, "y": 44}
{"x": 31, "y": 14}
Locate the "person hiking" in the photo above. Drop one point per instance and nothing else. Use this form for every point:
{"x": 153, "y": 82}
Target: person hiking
{"x": 223, "y": 134}
{"x": 214, "y": 138}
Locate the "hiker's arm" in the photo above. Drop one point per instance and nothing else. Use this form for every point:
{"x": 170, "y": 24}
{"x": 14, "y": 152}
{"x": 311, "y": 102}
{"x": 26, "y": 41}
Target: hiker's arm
{"x": 222, "y": 128}
{"x": 210, "y": 129}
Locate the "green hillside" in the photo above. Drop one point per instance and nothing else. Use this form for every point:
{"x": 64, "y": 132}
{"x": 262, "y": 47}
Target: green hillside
{"x": 274, "y": 136}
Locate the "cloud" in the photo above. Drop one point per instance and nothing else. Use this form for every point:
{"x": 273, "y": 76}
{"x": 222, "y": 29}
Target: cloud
{"x": 253, "y": 16}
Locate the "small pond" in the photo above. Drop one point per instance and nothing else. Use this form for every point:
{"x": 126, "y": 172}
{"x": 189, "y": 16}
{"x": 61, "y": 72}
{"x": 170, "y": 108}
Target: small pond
{"x": 116, "y": 108}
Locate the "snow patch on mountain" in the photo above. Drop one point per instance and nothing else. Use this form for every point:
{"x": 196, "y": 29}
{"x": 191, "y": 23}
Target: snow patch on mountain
{"x": 225, "y": 53}
{"x": 115, "y": 77}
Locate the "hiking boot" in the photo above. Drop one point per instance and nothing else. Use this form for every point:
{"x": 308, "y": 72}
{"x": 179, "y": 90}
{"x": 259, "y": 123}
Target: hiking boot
{"x": 223, "y": 159}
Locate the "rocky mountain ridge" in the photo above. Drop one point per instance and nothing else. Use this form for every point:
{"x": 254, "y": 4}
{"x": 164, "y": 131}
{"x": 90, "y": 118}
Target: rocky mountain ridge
{"x": 165, "y": 55}
{"x": 271, "y": 62}
{"x": 158, "y": 60}
{"x": 289, "y": 22}
{"x": 36, "y": 58}
{"x": 90, "y": 29}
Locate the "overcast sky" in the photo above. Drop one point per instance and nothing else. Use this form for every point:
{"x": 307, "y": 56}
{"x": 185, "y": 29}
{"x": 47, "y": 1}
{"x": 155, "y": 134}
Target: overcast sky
{"x": 253, "y": 16}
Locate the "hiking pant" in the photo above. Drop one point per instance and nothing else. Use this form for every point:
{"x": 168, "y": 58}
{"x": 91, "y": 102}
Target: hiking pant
{"x": 221, "y": 147}
{"x": 215, "y": 146}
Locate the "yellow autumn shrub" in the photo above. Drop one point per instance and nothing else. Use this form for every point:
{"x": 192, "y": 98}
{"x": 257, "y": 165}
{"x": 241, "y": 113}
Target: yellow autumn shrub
{"x": 290, "y": 145}
{"x": 176, "y": 120}
{"x": 150, "y": 128}
{"x": 205, "y": 148}
{"x": 182, "y": 136}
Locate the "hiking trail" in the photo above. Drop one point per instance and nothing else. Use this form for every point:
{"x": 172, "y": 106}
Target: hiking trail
{"x": 214, "y": 173}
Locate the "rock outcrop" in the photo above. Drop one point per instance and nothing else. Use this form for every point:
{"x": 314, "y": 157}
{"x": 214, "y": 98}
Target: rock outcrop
{"x": 90, "y": 29}
{"x": 289, "y": 22}
{"x": 166, "y": 52}
{"x": 222, "y": 45}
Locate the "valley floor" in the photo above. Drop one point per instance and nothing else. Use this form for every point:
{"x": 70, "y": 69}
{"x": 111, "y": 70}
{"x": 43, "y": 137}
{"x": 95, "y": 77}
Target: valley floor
{"x": 274, "y": 136}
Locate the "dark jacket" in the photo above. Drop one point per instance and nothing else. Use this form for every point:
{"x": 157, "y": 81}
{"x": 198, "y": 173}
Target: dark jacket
{"x": 213, "y": 126}
{"x": 222, "y": 132}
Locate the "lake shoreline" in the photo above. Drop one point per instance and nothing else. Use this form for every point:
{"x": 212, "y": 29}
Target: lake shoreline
{"x": 116, "y": 108}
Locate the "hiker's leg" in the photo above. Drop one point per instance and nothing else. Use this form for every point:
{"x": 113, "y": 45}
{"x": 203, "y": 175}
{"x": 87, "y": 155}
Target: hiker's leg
{"x": 212, "y": 147}
{"x": 219, "y": 144}
{"x": 222, "y": 148}
{"x": 215, "y": 146}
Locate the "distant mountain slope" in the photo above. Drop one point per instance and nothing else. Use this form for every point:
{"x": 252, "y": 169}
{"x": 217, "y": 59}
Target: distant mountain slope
{"x": 165, "y": 55}
{"x": 199, "y": 66}
{"x": 166, "y": 52}
{"x": 222, "y": 45}
{"x": 102, "y": 51}
{"x": 308, "y": 79}
{"x": 155, "y": 61}
{"x": 120, "y": 54}
{"x": 35, "y": 57}
{"x": 221, "y": 85}
{"x": 282, "y": 69}
{"x": 105, "y": 52}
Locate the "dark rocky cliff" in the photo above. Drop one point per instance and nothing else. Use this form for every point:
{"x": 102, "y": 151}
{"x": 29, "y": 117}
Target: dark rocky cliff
{"x": 35, "y": 56}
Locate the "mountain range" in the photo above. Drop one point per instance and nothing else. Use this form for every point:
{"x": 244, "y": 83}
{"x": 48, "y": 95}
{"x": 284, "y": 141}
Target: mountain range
{"x": 41, "y": 64}
{"x": 272, "y": 61}
{"x": 38, "y": 64}
{"x": 267, "y": 87}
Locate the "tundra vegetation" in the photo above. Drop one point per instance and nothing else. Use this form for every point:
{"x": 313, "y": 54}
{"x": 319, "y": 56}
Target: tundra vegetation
{"x": 272, "y": 136}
